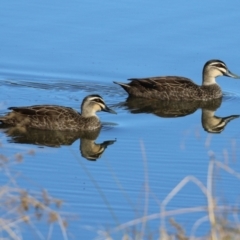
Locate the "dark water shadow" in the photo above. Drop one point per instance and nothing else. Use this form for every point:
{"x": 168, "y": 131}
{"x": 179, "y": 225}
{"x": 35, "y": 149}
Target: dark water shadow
{"x": 174, "y": 109}
{"x": 89, "y": 149}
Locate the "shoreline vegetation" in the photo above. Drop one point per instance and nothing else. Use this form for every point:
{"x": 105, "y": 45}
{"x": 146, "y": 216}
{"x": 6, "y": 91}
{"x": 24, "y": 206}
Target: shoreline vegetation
{"x": 223, "y": 219}
{"x": 20, "y": 206}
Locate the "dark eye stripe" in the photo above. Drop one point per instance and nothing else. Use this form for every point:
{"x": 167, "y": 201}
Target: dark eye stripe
{"x": 219, "y": 65}
{"x": 98, "y": 100}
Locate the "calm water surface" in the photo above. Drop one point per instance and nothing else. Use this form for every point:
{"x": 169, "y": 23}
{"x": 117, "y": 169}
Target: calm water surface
{"x": 57, "y": 53}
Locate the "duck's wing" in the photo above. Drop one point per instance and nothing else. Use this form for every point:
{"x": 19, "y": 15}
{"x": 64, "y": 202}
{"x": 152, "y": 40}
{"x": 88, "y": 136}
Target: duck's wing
{"x": 151, "y": 82}
{"x": 168, "y": 85}
{"x": 164, "y": 87}
{"x": 163, "y": 80}
{"x": 44, "y": 110}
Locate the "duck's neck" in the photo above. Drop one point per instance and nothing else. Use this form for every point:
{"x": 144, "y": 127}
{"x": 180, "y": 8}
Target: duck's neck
{"x": 88, "y": 113}
{"x": 208, "y": 80}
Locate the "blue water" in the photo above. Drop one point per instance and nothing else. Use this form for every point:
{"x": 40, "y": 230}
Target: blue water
{"x": 58, "y": 52}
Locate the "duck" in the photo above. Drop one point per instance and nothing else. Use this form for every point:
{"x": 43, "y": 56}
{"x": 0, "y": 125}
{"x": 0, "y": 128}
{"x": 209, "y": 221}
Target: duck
{"x": 54, "y": 117}
{"x": 178, "y": 88}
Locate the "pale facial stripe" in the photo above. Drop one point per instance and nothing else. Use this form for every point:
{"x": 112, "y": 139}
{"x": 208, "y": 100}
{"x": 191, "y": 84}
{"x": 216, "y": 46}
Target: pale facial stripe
{"x": 98, "y": 101}
{"x": 219, "y": 65}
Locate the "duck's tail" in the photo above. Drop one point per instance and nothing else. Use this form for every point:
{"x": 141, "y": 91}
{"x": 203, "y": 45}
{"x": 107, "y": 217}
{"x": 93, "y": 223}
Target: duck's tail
{"x": 122, "y": 84}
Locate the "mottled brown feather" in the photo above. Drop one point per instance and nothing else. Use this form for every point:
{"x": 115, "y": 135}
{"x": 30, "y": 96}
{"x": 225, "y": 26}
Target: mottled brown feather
{"x": 53, "y": 117}
{"x": 180, "y": 88}
{"x": 170, "y": 88}
{"x": 50, "y": 117}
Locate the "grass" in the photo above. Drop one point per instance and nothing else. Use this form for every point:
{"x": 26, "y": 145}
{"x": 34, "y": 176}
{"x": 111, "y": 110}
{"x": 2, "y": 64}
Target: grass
{"x": 21, "y": 208}
{"x": 222, "y": 219}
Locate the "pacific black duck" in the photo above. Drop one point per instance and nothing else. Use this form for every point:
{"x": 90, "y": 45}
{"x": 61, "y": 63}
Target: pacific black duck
{"x": 53, "y": 117}
{"x": 180, "y": 88}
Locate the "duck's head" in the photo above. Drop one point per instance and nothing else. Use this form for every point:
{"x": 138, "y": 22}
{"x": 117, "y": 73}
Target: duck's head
{"x": 92, "y": 104}
{"x": 215, "y": 68}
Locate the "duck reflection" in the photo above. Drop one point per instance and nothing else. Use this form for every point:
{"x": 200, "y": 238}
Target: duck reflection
{"x": 172, "y": 109}
{"x": 214, "y": 124}
{"x": 88, "y": 148}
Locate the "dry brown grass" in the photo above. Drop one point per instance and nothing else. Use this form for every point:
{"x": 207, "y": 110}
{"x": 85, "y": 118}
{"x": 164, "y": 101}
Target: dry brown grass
{"x": 223, "y": 219}
{"x": 21, "y": 208}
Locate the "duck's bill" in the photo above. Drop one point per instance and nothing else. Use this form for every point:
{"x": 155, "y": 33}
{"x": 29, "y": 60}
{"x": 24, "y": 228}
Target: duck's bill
{"x": 230, "y": 74}
{"x": 107, "y": 109}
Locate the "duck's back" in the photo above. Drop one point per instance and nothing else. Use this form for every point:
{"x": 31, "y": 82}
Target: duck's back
{"x": 170, "y": 88}
{"x": 49, "y": 117}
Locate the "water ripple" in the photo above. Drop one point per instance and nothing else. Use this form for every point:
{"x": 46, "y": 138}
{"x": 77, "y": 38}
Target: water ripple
{"x": 105, "y": 89}
{"x": 231, "y": 96}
